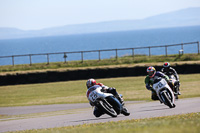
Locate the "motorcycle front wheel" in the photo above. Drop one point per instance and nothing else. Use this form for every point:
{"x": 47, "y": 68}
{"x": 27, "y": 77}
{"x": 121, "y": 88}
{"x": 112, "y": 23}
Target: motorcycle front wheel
{"x": 107, "y": 108}
{"x": 166, "y": 100}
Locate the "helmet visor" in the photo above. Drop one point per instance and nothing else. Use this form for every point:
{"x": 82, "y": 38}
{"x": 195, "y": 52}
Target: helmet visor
{"x": 150, "y": 73}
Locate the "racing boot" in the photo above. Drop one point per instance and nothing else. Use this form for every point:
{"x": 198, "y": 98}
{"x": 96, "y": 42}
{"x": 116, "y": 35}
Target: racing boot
{"x": 179, "y": 93}
{"x": 121, "y": 100}
{"x": 97, "y": 112}
{"x": 176, "y": 90}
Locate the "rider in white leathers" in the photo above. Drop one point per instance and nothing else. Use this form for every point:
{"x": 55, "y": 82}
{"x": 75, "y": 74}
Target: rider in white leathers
{"x": 106, "y": 89}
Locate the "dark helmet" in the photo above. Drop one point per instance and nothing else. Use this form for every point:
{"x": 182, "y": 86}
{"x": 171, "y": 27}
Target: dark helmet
{"x": 151, "y": 71}
{"x": 90, "y": 83}
{"x": 166, "y": 65}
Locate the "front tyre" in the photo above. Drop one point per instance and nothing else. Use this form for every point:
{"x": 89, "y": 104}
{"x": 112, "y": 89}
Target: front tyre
{"x": 107, "y": 108}
{"x": 166, "y": 100}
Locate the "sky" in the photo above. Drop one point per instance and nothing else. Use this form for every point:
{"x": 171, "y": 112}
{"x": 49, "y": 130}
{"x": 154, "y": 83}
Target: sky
{"x": 40, "y": 14}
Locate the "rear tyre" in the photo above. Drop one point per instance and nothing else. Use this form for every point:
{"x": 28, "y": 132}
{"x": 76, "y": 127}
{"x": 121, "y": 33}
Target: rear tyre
{"x": 125, "y": 111}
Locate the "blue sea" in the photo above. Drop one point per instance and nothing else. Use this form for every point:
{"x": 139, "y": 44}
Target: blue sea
{"x": 99, "y": 41}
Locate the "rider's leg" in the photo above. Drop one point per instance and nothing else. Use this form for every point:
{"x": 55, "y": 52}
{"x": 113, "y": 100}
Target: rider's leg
{"x": 114, "y": 92}
{"x": 178, "y": 87}
{"x": 154, "y": 96}
{"x": 97, "y": 112}
{"x": 171, "y": 85}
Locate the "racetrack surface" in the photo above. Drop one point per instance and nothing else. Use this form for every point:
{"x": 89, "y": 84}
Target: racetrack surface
{"x": 83, "y": 113}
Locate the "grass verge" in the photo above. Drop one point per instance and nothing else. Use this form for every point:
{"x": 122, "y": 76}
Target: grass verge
{"x": 104, "y": 62}
{"x": 132, "y": 88}
{"x": 185, "y": 123}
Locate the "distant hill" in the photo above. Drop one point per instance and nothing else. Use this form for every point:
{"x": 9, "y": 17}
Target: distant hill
{"x": 181, "y": 18}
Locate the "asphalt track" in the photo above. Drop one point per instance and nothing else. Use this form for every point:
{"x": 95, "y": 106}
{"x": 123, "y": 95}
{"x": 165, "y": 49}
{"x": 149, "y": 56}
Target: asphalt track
{"x": 77, "y": 114}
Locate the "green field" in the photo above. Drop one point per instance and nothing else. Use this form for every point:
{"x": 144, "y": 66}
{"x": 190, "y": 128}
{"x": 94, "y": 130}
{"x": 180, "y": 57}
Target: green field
{"x": 185, "y": 123}
{"x": 132, "y": 88}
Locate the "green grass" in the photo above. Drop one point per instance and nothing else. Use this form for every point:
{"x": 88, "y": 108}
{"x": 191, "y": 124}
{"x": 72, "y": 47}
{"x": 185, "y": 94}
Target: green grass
{"x": 132, "y": 88}
{"x": 185, "y": 123}
{"x": 105, "y": 62}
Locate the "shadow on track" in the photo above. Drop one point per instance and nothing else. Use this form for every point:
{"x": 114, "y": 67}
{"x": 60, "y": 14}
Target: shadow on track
{"x": 97, "y": 119}
{"x": 153, "y": 109}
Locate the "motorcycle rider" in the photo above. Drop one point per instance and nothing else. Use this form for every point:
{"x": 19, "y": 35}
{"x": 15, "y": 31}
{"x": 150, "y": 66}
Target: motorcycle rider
{"x": 152, "y": 74}
{"x": 91, "y": 82}
{"x": 168, "y": 70}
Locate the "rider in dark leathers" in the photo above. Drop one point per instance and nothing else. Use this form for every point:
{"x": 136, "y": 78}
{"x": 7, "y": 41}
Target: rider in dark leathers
{"x": 171, "y": 71}
{"x": 106, "y": 89}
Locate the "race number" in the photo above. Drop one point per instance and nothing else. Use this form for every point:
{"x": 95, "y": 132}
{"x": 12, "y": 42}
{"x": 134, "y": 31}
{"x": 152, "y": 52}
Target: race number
{"x": 93, "y": 96}
{"x": 160, "y": 85}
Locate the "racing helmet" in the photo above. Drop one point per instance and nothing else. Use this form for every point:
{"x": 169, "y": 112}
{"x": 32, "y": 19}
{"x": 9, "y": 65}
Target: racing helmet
{"x": 151, "y": 71}
{"x": 90, "y": 83}
{"x": 166, "y": 65}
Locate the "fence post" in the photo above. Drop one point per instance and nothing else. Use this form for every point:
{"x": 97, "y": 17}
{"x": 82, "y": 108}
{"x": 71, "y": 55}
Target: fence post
{"x": 149, "y": 51}
{"x": 99, "y": 55}
{"x": 65, "y": 57}
{"x": 47, "y": 59}
{"x": 182, "y": 48}
{"x": 165, "y": 50}
{"x": 116, "y": 55}
{"x": 82, "y": 56}
{"x": 133, "y": 52}
{"x": 13, "y": 61}
{"x": 198, "y": 46}
{"x": 30, "y": 59}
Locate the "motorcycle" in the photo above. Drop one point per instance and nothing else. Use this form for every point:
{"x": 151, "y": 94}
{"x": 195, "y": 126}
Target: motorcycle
{"x": 164, "y": 92}
{"x": 105, "y": 102}
{"x": 176, "y": 85}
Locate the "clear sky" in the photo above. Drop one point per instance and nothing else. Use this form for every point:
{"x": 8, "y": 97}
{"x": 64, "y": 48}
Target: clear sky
{"x": 39, "y": 14}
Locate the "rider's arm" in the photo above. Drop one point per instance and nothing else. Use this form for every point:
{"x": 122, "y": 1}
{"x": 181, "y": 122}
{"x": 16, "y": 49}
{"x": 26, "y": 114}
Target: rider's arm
{"x": 164, "y": 76}
{"x": 162, "y": 70}
{"x": 175, "y": 73}
{"x": 148, "y": 86}
{"x": 102, "y": 85}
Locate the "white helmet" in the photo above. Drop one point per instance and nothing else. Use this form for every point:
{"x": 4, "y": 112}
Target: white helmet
{"x": 90, "y": 83}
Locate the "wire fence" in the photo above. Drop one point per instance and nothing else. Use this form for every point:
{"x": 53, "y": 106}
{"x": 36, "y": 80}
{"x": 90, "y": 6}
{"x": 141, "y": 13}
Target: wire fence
{"x": 65, "y": 55}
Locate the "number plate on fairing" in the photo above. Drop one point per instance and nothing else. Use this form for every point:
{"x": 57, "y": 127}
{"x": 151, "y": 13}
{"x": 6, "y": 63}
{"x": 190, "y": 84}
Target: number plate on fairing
{"x": 93, "y": 96}
{"x": 159, "y": 85}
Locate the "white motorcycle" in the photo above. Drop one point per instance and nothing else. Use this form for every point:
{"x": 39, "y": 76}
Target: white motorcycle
{"x": 105, "y": 102}
{"x": 164, "y": 92}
